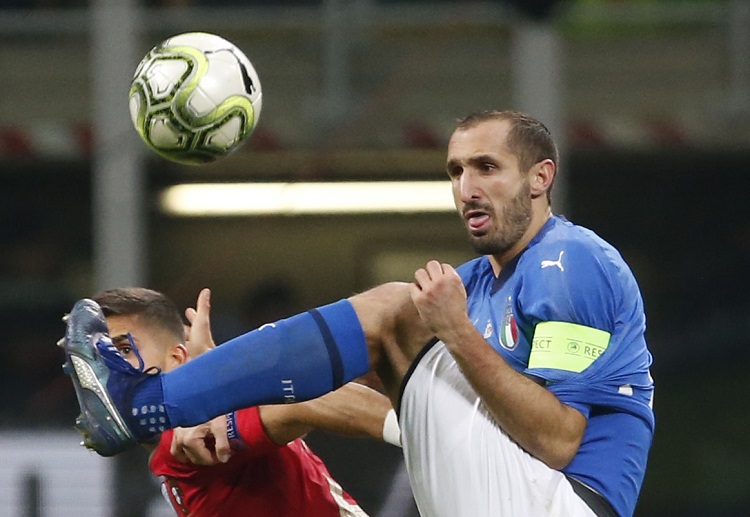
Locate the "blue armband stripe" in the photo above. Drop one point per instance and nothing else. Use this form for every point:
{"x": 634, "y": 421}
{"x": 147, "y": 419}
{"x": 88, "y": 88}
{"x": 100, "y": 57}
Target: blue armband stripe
{"x": 337, "y": 365}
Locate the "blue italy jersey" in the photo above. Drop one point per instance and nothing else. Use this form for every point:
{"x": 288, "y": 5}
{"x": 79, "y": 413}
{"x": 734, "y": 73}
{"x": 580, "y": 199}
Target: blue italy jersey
{"x": 568, "y": 311}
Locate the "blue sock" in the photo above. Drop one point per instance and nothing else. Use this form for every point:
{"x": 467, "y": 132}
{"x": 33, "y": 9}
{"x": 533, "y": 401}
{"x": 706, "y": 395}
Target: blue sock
{"x": 148, "y": 417}
{"x": 292, "y": 360}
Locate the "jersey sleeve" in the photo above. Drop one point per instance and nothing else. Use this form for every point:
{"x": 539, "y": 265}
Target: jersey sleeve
{"x": 587, "y": 317}
{"x": 246, "y": 434}
{"x": 579, "y": 290}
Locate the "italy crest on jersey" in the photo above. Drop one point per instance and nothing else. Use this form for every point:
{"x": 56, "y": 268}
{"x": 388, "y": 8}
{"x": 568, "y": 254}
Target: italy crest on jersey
{"x": 508, "y": 335}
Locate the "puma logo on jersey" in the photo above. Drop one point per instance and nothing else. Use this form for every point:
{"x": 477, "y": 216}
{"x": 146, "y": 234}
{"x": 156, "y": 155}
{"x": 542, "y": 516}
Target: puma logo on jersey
{"x": 558, "y": 262}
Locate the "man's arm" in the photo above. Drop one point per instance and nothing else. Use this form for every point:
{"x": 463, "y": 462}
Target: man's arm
{"x": 352, "y": 410}
{"x": 529, "y": 413}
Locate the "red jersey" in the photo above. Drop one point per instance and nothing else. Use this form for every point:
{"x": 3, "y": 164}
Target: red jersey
{"x": 260, "y": 479}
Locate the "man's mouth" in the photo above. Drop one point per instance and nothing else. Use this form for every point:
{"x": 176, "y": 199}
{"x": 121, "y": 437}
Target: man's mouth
{"x": 477, "y": 220}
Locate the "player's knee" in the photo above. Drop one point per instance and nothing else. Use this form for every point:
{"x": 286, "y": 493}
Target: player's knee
{"x": 392, "y": 326}
{"x": 379, "y": 310}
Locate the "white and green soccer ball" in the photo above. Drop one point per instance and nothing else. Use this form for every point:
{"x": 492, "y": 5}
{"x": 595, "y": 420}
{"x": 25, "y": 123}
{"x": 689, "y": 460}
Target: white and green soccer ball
{"x": 195, "y": 98}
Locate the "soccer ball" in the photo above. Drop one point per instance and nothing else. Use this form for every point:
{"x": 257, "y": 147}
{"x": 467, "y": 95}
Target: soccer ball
{"x": 195, "y": 98}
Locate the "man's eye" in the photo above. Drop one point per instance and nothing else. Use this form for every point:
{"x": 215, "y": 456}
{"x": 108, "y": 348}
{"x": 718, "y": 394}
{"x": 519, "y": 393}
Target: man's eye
{"x": 125, "y": 350}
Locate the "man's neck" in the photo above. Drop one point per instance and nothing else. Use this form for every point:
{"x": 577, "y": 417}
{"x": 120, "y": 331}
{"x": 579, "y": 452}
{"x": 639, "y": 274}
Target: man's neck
{"x": 538, "y": 220}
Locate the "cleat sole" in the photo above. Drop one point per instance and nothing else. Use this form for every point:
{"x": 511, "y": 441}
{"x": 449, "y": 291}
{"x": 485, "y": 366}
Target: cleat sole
{"x": 100, "y": 424}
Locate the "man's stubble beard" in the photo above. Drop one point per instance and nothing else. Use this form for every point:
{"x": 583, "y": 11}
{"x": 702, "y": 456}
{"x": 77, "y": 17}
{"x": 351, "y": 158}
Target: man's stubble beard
{"x": 513, "y": 222}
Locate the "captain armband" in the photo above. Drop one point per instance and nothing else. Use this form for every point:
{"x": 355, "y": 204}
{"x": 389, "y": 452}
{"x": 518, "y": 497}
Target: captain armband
{"x": 566, "y": 346}
{"x": 236, "y": 443}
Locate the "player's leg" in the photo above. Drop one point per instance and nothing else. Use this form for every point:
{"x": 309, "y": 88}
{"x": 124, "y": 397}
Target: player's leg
{"x": 394, "y": 332}
{"x": 301, "y": 357}
{"x": 291, "y": 360}
{"x": 461, "y": 463}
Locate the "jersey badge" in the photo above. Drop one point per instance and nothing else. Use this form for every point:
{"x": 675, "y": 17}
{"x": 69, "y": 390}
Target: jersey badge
{"x": 509, "y": 332}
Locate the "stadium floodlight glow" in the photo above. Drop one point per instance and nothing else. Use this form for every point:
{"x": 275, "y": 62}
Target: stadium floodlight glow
{"x": 236, "y": 199}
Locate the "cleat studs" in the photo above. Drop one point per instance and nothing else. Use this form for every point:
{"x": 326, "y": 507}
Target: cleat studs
{"x": 61, "y": 343}
{"x": 80, "y": 425}
{"x": 65, "y": 318}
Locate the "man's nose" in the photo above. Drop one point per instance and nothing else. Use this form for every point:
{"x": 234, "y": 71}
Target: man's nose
{"x": 467, "y": 187}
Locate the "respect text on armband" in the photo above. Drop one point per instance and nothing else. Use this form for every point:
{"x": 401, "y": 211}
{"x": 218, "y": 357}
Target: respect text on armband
{"x": 236, "y": 443}
{"x": 566, "y": 346}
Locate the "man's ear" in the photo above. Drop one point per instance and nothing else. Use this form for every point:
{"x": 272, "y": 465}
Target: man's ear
{"x": 542, "y": 176}
{"x": 178, "y": 355}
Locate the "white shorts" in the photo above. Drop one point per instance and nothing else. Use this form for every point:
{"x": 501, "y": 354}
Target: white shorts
{"x": 460, "y": 463}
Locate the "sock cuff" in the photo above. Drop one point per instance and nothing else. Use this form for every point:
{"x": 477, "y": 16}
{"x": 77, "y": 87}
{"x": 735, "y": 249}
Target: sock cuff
{"x": 344, "y": 339}
{"x": 149, "y": 417}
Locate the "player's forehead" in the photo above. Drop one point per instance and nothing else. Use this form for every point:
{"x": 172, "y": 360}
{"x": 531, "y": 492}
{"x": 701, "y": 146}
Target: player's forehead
{"x": 485, "y": 138}
{"x": 120, "y": 326}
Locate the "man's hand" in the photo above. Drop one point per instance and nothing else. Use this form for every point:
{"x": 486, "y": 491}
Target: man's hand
{"x": 440, "y": 297}
{"x": 206, "y": 444}
{"x": 198, "y": 334}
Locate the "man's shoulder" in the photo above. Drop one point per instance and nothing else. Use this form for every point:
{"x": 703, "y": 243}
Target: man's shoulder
{"x": 562, "y": 232}
{"x": 575, "y": 260}
{"x": 564, "y": 242}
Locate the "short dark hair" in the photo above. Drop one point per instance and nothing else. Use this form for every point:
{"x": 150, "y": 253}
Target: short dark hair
{"x": 529, "y": 140}
{"x": 154, "y": 307}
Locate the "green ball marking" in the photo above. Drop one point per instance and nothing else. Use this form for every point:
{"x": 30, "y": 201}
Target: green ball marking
{"x": 137, "y": 89}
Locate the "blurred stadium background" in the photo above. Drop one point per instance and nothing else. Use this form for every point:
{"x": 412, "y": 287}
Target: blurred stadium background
{"x": 650, "y": 100}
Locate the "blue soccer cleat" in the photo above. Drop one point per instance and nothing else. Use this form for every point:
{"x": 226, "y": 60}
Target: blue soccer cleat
{"x": 103, "y": 379}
